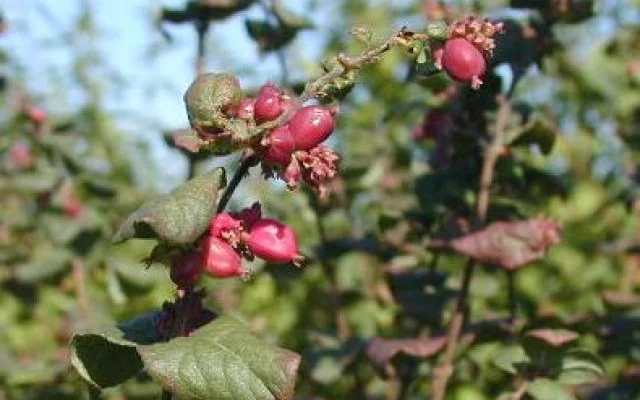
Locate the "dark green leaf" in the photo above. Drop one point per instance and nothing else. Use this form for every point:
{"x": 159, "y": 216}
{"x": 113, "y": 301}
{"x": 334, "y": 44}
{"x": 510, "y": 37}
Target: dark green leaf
{"x": 179, "y": 217}
{"x": 290, "y": 19}
{"x": 540, "y": 133}
{"x": 222, "y": 361}
{"x": 105, "y": 359}
{"x": 511, "y": 359}
{"x": 109, "y": 358}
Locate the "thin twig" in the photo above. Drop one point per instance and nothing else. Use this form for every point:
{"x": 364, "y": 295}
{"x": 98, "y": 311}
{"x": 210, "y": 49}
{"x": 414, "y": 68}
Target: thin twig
{"x": 248, "y": 162}
{"x": 80, "y": 284}
{"x": 202, "y": 27}
{"x": 513, "y": 304}
{"x": 342, "y": 324}
{"x": 522, "y": 390}
{"x": 444, "y": 370}
{"x": 347, "y": 63}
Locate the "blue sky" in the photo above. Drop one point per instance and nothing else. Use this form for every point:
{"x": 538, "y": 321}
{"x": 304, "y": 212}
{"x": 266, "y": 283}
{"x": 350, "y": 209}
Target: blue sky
{"x": 151, "y": 73}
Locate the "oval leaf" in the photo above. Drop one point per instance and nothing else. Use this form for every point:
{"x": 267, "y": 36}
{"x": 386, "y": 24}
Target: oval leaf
{"x": 222, "y": 361}
{"x": 510, "y": 244}
{"x": 179, "y": 217}
{"x": 108, "y": 358}
{"x": 546, "y": 389}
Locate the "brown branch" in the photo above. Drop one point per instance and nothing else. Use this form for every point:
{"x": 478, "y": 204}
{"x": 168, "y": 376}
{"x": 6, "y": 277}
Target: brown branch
{"x": 80, "y": 284}
{"x": 520, "y": 392}
{"x": 202, "y": 27}
{"x": 444, "y": 370}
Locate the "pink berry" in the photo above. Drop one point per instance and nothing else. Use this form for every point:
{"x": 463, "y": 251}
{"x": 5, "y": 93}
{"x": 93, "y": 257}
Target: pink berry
{"x": 73, "y": 207}
{"x": 463, "y": 61}
{"x": 36, "y": 114}
{"x": 280, "y": 145}
{"x": 219, "y": 259}
{"x": 186, "y": 270}
{"x": 310, "y": 126}
{"x": 246, "y": 108}
{"x": 273, "y": 241}
{"x": 268, "y": 105}
{"x": 21, "y": 156}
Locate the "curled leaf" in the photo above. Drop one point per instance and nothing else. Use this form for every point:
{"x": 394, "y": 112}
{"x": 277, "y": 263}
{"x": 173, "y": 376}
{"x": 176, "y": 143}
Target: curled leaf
{"x": 179, "y": 217}
{"x": 510, "y": 244}
{"x": 381, "y": 351}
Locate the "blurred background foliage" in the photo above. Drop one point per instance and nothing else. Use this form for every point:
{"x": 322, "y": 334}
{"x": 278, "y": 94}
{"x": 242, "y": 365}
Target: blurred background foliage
{"x": 572, "y": 69}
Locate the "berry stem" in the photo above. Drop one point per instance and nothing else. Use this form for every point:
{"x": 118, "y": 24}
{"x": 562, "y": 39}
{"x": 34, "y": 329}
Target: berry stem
{"x": 249, "y": 160}
{"x": 444, "y": 370}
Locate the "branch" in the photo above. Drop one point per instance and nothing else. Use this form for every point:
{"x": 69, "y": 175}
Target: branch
{"x": 404, "y": 37}
{"x": 342, "y": 324}
{"x": 443, "y": 371}
{"x": 249, "y": 161}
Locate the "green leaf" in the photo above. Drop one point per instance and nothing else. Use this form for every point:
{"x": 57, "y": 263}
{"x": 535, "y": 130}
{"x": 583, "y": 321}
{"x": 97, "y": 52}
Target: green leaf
{"x": 581, "y": 366}
{"x": 40, "y": 181}
{"x": 109, "y": 358}
{"x": 179, "y": 217}
{"x": 45, "y": 263}
{"x": 511, "y": 359}
{"x": 546, "y": 389}
{"x": 104, "y": 359}
{"x": 541, "y": 133}
{"x": 222, "y": 361}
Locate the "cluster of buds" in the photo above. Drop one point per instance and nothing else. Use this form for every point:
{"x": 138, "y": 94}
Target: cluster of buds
{"x": 184, "y": 315}
{"x": 469, "y": 44}
{"x": 232, "y": 237}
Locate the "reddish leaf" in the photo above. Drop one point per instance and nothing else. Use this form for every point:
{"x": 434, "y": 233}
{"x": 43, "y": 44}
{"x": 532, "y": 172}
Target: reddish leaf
{"x": 620, "y": 299}
{"x": 510, "y": 244}
{"x": 553, "y": 337}
{"x": 381, "y": 351}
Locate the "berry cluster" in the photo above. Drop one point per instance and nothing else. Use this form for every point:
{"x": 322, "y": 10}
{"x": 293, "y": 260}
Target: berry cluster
{"x": 231, "y": 237}
{"x": 469, "y": 44}
{"x": 293, "y": 150}
{"x": 275, "y": 125}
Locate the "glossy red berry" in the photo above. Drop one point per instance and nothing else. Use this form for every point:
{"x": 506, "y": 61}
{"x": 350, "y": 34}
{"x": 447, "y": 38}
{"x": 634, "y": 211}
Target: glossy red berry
{"x": 280, "y": 145}
{"x": 310, "y": 126}
{"x": 463, "y": 61}
{"x": 219, "y": 259}
{"x": 268, "y": 105}
{"x": 246, "y": 109}
{"x": 273, "y": 241}
{"x": 186, "y": 270}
